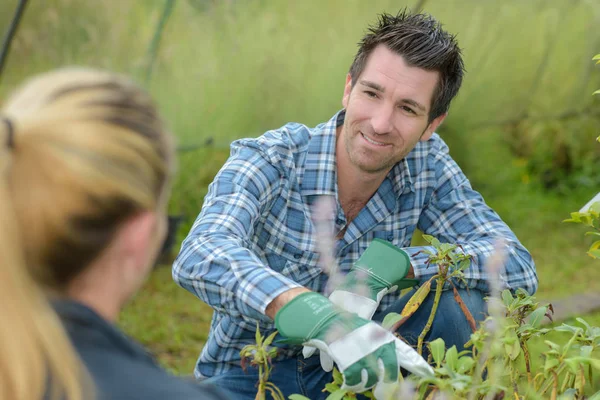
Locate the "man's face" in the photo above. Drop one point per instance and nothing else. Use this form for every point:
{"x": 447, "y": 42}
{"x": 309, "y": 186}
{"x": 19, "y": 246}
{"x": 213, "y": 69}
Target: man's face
{"x": 387, "y": 111}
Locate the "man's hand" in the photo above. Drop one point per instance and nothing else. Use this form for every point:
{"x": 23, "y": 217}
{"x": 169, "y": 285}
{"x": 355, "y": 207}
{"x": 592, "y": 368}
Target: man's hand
{"x": 380, "y": 270}
{"x": 365, "y": 353}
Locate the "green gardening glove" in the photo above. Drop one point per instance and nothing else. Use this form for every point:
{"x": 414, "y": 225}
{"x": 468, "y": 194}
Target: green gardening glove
{"x": 365, "y": 353}
{"x": 380, "y": 270}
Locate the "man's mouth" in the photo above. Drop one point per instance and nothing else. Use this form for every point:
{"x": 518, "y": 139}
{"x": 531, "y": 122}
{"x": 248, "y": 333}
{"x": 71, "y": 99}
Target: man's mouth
{"x": 373, "y": 142}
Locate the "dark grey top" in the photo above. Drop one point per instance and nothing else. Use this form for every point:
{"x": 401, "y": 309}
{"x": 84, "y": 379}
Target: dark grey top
{"x": 121, "y": 368}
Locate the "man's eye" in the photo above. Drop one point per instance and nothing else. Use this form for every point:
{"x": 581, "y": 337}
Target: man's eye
{"x": 408, "y": 110}
{"x": 370, "y": 93}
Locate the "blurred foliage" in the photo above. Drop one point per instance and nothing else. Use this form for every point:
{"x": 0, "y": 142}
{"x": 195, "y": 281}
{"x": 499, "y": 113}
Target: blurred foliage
{"x": 229, "y": 69}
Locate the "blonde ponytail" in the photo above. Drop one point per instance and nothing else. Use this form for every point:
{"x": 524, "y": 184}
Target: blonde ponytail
{"x": 35, "y": 354}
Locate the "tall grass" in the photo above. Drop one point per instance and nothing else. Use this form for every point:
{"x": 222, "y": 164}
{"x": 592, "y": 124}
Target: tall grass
{"x": 230, "y": 69}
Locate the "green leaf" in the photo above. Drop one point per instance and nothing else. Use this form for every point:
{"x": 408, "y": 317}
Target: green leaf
{"x": 567, "y": 328}
{"x": 596, "y": 92}
{"x": 537, "y": 316}
{"x": 592, "y": 233}
{"x": 258, "y": 336}
{"x": 297, "y": 397}
{"x": 594, "y": 253}
{"x": 575, "y": 217}
{"x": 595, "y": 396}
{"x": 452, "y": 358}
{"x": 369, "y": 395}
{"x": 596, "y": 57}
{"x": 338, "y": 378}
{"x": 594, "y": 208}
{"x": 337, "y": 395}
{"x": 269, "y": 340}
{"x": 583, "y": 322}
{"x": 465, "y": 364}
{"x": 507, "y": 297}
{"x": 552, "y": 345}
{"x": 464, "y": 264}
{"x": 428, "y": 238}
{"x": 417, "y": 299}
{"x": 332, "y": 388}
{"x": 573, "y": 365}
{"x": 437, "y": 349}
{"x": 447, "y": 247}
{"x": 550, "y": 364}
{"x": 391, "y": 319}
{"x": 512, "y": 348}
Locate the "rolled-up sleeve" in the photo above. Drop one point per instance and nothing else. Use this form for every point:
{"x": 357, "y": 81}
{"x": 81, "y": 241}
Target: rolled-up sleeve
{"x": 216, "y": 262}
{"x": 455, "y": 213}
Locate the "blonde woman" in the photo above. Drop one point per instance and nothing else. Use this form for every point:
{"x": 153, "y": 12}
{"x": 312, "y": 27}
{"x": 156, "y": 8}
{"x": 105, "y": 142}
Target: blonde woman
{"x": 86, "y": 169}
{"x": 33, "y": 344}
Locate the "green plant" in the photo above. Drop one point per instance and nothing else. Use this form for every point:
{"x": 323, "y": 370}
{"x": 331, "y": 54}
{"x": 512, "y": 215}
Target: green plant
{"x": 589, "y": 215}
{"x": 451, "y": 265}
{"x": 260, "y": 356}
{"x": 497, "y": 361}
{"x": 591, "y": 219}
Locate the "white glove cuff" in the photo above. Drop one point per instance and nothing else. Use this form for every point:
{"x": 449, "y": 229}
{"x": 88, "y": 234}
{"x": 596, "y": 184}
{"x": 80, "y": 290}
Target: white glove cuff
{"x": 351, "y": 302}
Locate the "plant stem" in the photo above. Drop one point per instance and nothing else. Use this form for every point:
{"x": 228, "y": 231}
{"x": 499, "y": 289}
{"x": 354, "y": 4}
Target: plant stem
{"x": 436, "y": 302}
{"x": 513, "y": 380}
{"x": 548, "y": 383}
{"x": 261, "y": 395}
{"x": 527, "y": 361}
{"x": 582, "y": 380}
{"x": 565, "y": 382}
{"x": 554, "y": 386}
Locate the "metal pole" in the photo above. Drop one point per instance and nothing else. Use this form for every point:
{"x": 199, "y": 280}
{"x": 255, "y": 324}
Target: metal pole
{"x": 8, "y": 37}
{"x": 153, "y": 49}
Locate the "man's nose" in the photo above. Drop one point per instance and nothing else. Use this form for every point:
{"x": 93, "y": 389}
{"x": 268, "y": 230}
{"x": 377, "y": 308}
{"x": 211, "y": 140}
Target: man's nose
{"x": 382, "y": 120}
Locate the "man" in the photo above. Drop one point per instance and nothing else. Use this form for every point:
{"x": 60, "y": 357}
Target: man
{"x": 252, "y": 253}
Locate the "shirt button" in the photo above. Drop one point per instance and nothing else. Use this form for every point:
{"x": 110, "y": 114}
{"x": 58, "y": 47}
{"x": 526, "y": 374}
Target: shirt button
{"x": 390, "y": 237}
{"x": 297, "y": 256}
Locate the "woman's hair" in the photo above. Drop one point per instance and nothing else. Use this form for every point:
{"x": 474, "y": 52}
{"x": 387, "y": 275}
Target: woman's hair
{"x": 81, "y": 151}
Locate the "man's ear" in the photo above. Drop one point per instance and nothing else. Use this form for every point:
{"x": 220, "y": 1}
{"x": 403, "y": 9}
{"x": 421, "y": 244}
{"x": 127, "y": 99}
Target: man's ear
{"x": 137, "y": 236}
{"x": 347, "y": 90}
{"x": 433, "y": 125}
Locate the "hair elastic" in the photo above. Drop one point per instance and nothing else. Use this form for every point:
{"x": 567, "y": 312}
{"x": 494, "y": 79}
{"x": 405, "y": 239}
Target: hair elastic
{"x": 10, "y": 139}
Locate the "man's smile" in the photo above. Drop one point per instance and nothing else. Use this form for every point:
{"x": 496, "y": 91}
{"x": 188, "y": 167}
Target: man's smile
{"x": 373, "y": 142}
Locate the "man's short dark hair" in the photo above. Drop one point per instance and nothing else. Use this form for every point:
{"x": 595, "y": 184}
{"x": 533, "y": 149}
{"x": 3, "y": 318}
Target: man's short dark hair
{"x": 422, "y": 42}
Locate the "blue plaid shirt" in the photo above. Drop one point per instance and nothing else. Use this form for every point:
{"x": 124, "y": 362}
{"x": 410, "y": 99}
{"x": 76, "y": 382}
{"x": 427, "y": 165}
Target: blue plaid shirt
{"x": 254, "y": 238}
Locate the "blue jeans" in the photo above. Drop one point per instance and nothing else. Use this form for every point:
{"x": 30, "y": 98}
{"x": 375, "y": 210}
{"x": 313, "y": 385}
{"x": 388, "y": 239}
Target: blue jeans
{"x": 306, "y": 377}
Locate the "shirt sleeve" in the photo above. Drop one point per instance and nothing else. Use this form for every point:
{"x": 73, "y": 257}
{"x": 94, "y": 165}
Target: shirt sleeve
{"x": 216, "y": 262}
{"x": 457, "y": 214}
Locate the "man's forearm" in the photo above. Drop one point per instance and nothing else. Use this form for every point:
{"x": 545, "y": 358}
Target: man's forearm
{"x": 282, "y": 299}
